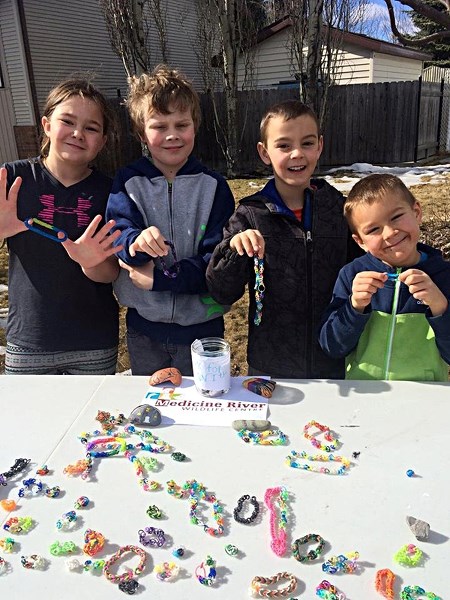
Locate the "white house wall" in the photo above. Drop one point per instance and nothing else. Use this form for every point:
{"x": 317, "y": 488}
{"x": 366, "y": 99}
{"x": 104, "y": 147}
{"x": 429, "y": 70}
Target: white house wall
{"x": 15, "y": 63}
{"x": 395, "y": 68}
{"x": 67, "y": 38}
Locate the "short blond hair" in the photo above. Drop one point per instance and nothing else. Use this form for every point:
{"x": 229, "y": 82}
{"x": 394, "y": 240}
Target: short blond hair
{"x": 157, "y": 92}
{"x": 374, "y": 188}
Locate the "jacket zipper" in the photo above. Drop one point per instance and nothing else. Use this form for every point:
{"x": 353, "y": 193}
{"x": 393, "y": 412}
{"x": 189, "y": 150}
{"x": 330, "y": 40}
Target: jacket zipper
{"x": 391, "y": 332}
{"x": 309, "y": 317}
{"x": 169, "y": 195}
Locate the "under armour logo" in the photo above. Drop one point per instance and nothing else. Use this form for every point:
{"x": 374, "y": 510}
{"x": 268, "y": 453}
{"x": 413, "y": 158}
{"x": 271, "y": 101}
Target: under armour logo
{"x": 81, "y": 211}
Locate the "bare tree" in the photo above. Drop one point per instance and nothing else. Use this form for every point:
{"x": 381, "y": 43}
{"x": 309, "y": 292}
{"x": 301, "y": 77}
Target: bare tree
{"x": 226, "y": 32}
{"x": 441, "y": 18}
{"x": 130, "y": 24}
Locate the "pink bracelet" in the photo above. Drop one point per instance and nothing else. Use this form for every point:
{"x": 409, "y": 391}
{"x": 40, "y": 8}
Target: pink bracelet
{"x": 277, "y": 495}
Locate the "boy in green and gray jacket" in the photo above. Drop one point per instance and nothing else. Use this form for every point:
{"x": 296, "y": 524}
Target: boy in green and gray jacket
{"x": 389, "y": 314}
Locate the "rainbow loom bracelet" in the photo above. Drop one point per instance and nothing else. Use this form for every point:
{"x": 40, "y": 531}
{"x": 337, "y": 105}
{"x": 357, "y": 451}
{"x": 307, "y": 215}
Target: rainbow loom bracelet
{"x": 328, "y": 591}
{"x": 292, "y": 462}
{"x": 200, "y": 571}
{"x": 414, "y": 591}
{"x": 311, "y": 554}
{"x": 256, "y": 588}
{"x": 331, "y": 447}
{"x": 269, "y": 437}
{"x": 345, "y": 563}
{"x": 260, "y": 288}
{"x": 384, "y": 583}
{"x": 272, "y": 496}
{"x": 409, "y": 555}
{"x": 129, "y": 573}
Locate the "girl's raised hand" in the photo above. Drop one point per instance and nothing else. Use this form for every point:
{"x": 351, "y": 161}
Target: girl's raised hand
{"x": 10, "y": 224}
{"x": 93, "y": 247}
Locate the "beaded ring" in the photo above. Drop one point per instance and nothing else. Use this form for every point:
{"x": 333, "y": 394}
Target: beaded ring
{"x": 344, "y": 562}
{"x": 231, "y": 550}
{"x": 292, "y": 462}
{"x": 7, "y": 544}
{"x": 384, "y": 583}
{"x": 166, "y": 571}
{"x": 331, "y": 447}
{"x": 178, "y": 456}
{"x": 130, "y": 572}
{"x": 200, "y": 571}
{"x": 34, "y": 561}
{"x": 149, "y": 485}
{"x": 197, "y": 492}
{"x": 236, "y": 512}
{"x": 328, "y": 591}
{"x": 257, "y": 583}
{"x": 311, "y": 554}
{"x": 151, "y": 536}
{"x": 93, "y": 542}
{"x": 414, "y": 591}
{"x": 262, "y": 438}
{"x": 278, "y": 534}
{"x": 82, "y": 502}
{"x": 178, "y": 552}
{"x": 67, "y": 521}
{"x": 154, "y": 512}
{"x": 409, "y": 555}
{"x": 129, "y": 586}
{"x": 94, "y": 565}
{"x": 53, "y": 492}
{"x": 8, "y": 505}
{"x": 176, "y": 265}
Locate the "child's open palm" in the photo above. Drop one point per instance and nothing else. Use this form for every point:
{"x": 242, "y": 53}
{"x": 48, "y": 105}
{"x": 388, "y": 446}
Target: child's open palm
{"x": 10, "y": 224}
{"x": 93, "y": 247}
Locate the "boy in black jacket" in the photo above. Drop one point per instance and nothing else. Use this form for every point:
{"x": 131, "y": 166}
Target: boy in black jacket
{"x": 296, "y": 225}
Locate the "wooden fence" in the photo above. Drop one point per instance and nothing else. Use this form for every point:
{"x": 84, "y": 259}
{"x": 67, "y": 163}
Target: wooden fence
{"x": 381, "y": 123}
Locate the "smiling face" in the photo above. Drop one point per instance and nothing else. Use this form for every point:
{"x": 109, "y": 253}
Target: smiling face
{"x": 170, "y": 139}
{"x": 389, "y": 228}
{"x": 75, "y": 131}
{"x": 292, "y": 147}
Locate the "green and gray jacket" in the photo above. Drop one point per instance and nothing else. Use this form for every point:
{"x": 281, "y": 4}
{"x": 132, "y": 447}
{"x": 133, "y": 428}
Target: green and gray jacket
{"x": 396, "y": 337}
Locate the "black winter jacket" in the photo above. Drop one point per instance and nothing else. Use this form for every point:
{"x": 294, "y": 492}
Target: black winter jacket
{"x": 301, "y": 264}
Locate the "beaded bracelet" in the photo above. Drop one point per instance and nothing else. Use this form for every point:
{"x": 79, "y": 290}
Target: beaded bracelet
{"x": 200, "y": 571}
{"x": 176, "y": 265}
{"x": 311, "y": 554}
{"x": 292, "y": 462}
{"x": 56, "y": 549}
{"x": 130, "y": 572}
{"x": 408, "y": 555}
{"x": 18, "y": 524}
{"x": 68, "y": 521}
{"x": 151, "y": 536}
{"x": 166, "y": 571}
{"x": 328, "y": 591}
{"x": 278, "y": 495}
{"x": 197, "y": 492}
{"x": 236, "y": 512}
{"x": 94, "y": 565}
{"x": 260, "y": 288}
{"x": 331, "y": 447}
{"x": 19, "y": 465}
{"x": 345, "y": 563}
{"x": 384, "y": 583}
{"x": 414, "y": 591}
{"x": 112, "y": 445}
{"x": 257, "y": 583}
{"x": 34, "y": 561}
{"x": 81, "y": 502}
{"x": 262, "y": 438}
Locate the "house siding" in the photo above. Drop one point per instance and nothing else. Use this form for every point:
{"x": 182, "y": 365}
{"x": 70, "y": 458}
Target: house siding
{"x": 14, "y": 66}
{"x": 391, "y": 68}
{"x": 67, "y": 38}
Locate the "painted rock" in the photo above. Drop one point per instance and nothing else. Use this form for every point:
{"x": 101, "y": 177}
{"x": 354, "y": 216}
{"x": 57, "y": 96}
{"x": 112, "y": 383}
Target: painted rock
{"x": 251, "y": 425}
{"x": 260, "y": 386}
{"x": 145, "y": 415}
{"x": 170, "y": 374}
{"x": 419, "y": 528}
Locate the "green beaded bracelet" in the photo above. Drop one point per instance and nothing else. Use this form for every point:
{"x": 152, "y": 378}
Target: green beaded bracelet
{"x": 312, "y": 554}
{"x": 154, "y": 512}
